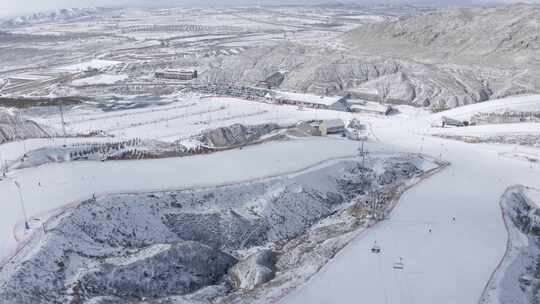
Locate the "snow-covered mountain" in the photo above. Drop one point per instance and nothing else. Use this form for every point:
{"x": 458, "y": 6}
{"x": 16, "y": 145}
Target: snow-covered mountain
{"x": 442, "y": 59}
{"x": 506, "y": 36}
{"x": 56, "y": 15}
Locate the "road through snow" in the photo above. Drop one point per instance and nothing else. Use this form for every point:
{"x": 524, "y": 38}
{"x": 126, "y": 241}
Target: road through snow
{"x": 452, "y": 263}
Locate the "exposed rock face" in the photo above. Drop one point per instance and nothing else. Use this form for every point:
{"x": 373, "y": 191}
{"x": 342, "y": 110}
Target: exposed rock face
{"x": 397, "y": 172}
{"x": 517, "y": 280}
{"x": 158, "y": 270}
{"x": 253, "y": 271}
{"x": 13, "y": 128}
{"x": 236, "y": 134}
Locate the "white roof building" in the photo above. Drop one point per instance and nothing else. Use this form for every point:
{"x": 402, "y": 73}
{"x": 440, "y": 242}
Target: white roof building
{"x": 308, "y": 98}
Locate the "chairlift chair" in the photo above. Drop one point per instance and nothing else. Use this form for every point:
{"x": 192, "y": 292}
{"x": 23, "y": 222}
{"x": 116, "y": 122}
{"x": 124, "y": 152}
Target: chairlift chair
{"x": 398, "y": 265}
{"x": 376, "y": 248}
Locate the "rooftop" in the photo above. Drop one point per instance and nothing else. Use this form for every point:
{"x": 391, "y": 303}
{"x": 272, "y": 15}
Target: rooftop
{"x": 308, "y": 98}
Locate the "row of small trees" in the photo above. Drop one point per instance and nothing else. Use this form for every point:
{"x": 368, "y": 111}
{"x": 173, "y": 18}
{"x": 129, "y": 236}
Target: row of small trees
{"x": 103, "y": 148}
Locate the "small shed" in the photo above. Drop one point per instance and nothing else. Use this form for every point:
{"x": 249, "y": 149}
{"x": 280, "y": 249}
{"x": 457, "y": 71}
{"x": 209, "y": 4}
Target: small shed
{"x": 331, "y": 126}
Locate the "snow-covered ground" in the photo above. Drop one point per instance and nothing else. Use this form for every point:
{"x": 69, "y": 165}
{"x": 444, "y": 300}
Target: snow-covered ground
{"x": 521, "y": 103}
{"x": 450, "y": 264}
{"x": 54, "y": 185}
{"x": 183, "y": 117}
{"x": 453, "y": 263}
{"x": 92, "y": 64}
{"x": 498, "y": 129}
{"x": 99, "y": 79}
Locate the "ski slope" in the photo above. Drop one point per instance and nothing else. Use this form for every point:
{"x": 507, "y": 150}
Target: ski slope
{"x": 51, "y": 186}
{"x": 453, "y": 263}
{"x": 521, "y": 103}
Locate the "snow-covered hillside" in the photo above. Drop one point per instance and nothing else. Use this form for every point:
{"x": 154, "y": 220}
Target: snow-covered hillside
{"x": 54, "y": 16}
{"x": 15, "y": 127}
{"x": 199, "y": 234}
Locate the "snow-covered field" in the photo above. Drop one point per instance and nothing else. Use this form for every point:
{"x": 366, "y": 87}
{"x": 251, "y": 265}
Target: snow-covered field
{"x": 185, "y": 116}
{"x": 520, "y": 103}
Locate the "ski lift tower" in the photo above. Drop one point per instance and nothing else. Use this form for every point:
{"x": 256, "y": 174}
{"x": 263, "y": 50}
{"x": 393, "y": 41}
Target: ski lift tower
{"x": 363, "y": 153}
{"x": 22, "y": 205}
{"x": 62, "y": 118}
{"x": 21, "y": 135}
{"x": 62, "y": 93}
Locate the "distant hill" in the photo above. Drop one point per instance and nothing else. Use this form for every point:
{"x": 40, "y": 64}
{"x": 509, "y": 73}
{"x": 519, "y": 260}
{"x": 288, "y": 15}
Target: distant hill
{"x": 506, "y": 36}
{"x": 56, "y": 15}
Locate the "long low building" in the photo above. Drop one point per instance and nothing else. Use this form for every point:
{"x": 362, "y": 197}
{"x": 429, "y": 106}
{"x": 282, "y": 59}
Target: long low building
{"x": 336, "y": 103}
{"x": 177, "y": 74}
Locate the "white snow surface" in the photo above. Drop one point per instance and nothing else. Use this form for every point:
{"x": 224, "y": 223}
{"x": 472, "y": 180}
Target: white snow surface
{"x": 92, "y": 64}
{"x": 452, "y": 264}
{"x": 99, "y": 79}
{"x": 497, "y": 129}
{"x": 308, "y": 98}
{"x": 521, "y": 103}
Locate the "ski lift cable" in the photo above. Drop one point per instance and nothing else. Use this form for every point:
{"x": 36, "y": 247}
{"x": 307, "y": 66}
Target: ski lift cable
{"x": 382, "y": 278}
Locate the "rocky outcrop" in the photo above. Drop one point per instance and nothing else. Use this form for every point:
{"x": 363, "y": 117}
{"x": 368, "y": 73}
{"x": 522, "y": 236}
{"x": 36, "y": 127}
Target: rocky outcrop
{"x": 255, "y": 270}
{"x": 158, "y": 270}
{"x": 235, "y": 135}
{"x": 517, "y": 279}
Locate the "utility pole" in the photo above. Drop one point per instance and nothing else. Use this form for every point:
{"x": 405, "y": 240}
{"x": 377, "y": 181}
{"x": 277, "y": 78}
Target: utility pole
{"x": 22, "y": 135}
{"x": 2, "y": 169}
{"x": 363, "y": 153}
{"x": 22, "y": 205}
{"x": 62, "y": 118}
